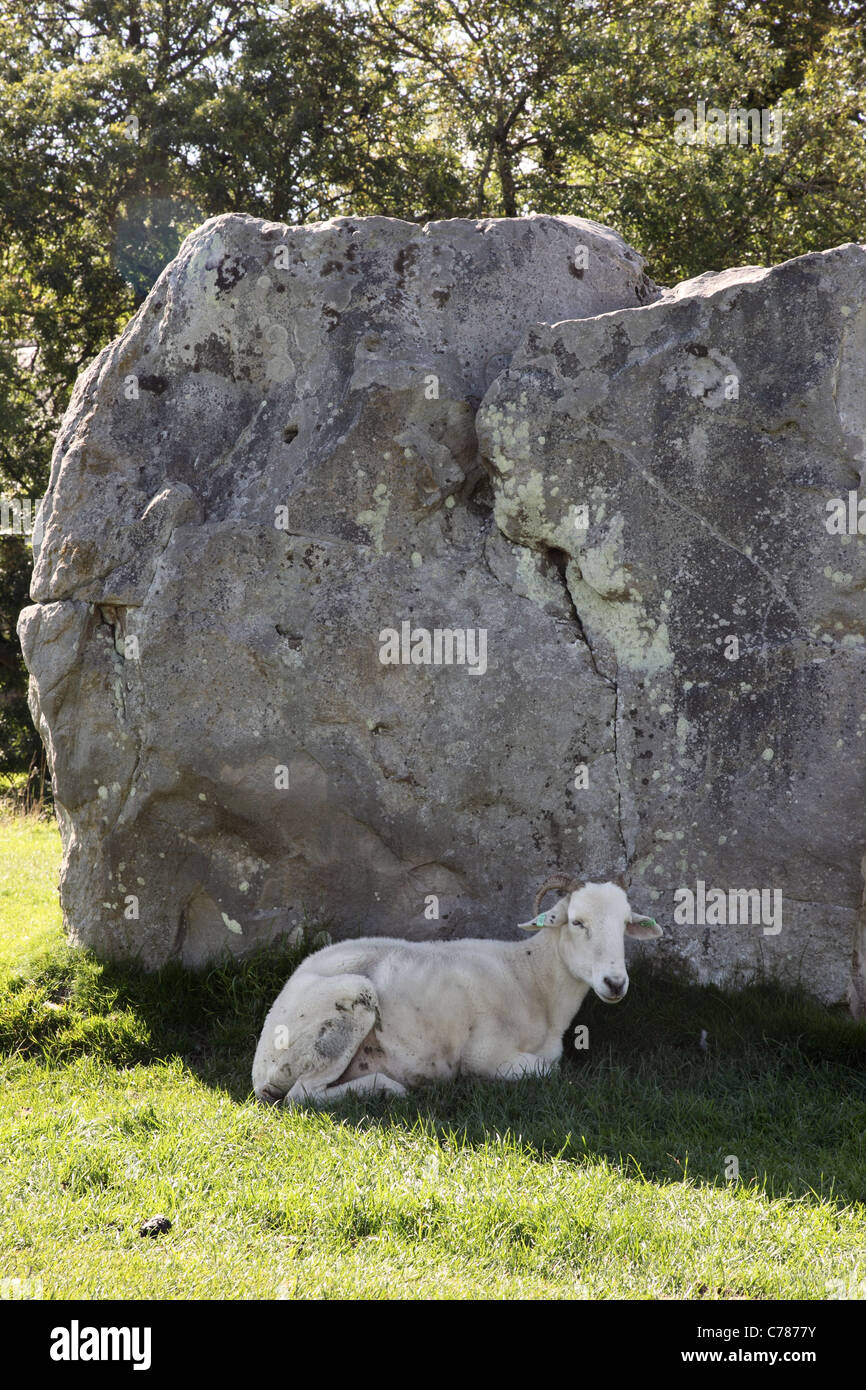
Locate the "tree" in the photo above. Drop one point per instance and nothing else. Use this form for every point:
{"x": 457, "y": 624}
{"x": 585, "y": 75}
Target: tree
{"x": 706, "y": 206}
{"x": 562, "y": 107}
{"x": 486, "y": 73}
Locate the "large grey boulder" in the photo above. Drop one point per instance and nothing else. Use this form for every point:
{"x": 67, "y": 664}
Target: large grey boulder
{"x": 283, "y": 474}
{"x": 273, "y": 465}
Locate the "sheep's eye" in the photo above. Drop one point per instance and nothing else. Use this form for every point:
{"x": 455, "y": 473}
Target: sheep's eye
{"x": 579, "y": 924}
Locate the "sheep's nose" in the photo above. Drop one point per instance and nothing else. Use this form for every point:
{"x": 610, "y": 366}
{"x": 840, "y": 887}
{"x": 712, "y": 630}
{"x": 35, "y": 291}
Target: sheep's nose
{"x": 615, "y": 986}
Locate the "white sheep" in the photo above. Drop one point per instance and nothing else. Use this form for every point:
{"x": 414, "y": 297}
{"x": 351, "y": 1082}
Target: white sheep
{"x": 382, "y": 1013}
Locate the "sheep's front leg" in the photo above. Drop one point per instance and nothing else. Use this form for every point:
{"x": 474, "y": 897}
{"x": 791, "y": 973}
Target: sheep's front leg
{"x": 303, "y": 1093}
{"x": 525, "y": 1064}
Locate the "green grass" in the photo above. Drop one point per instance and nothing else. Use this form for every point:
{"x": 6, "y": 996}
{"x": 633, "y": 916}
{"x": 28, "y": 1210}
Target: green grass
{"x": 30, "y": 915}
{"x": 126, "y": 1095}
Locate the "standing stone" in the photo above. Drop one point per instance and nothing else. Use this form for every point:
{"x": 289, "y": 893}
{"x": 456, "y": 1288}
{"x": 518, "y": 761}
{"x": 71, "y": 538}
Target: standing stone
{"x": 387, "y": 568}
{"x": 275, "y": 464}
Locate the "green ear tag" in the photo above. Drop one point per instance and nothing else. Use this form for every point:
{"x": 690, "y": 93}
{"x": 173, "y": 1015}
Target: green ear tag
{"x": 541, "y": 921}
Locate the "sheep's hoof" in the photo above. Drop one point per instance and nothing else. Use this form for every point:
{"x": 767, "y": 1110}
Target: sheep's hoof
{"x": 268, "y": 1096}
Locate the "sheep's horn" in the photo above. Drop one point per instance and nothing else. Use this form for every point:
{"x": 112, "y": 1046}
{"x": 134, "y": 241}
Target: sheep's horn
{"x": 559, "y": 883}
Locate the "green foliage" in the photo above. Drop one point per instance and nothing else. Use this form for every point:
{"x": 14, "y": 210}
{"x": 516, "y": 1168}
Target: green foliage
{"x": 20, "y": 746}
{"x": 704, "y": 207}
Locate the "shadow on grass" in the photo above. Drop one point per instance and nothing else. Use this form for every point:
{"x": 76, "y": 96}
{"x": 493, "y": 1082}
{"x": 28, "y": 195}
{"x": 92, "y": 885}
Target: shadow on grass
{"x": 678, "y": 1081}
{"x": 73, "y": 1005}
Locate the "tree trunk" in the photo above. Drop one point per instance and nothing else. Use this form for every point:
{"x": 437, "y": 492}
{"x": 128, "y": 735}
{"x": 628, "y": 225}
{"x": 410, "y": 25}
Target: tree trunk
{"x": 506, "y": 180}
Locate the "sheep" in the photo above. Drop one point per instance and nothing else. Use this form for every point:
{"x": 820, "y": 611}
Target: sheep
{"x": 385, "y": 1014}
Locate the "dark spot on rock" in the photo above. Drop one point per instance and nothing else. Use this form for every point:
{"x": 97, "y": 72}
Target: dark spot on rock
{"x": 330, "y": 266}
{"x": 568, "y": 362}
{"x": 228, "y": 272}
{"x": 213, "y": 355}
{"x": 698, "y": 350}
{"x": 292, "y": 638}
{"x": 332, "y": 314}
{"x": 573, "y": 270}
{"x": 441, "y": 297}
{"x": 157, "y": 384}
{"x": 405, "y": 260}
{"x": 290, "y": 433}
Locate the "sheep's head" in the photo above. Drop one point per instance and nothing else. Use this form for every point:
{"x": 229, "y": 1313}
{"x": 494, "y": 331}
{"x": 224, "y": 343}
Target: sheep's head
{"x": 593, "y": 920}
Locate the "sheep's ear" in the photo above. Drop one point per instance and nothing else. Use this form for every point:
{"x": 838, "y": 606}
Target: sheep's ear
{"x": 556, "y": 917}
{"x": 644, "y": 928}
